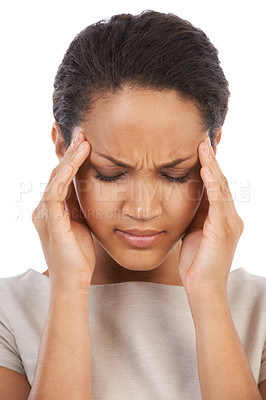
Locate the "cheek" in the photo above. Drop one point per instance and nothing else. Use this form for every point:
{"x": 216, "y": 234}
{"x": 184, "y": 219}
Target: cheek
{"x": 194, "y": 190}
{"x": 95, "y": 200}
{"x": 184, "y": 202}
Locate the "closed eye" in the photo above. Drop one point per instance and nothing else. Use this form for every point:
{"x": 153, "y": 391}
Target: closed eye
{"x": 171, "y": 179}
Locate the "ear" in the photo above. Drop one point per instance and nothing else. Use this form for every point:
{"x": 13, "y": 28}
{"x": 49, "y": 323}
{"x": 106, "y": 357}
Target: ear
{"x": 217, "y": 139}
{"x": 58, "y": 139}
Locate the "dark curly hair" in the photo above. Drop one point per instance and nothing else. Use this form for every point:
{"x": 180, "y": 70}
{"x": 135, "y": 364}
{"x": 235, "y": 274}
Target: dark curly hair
{"x": 150, "y": 50}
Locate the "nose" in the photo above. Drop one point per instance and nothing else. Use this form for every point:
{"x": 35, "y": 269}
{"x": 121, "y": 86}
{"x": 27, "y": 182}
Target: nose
{"x": 143, "y": 200}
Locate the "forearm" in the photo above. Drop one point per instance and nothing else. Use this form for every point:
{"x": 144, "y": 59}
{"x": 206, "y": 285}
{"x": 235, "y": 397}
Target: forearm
{"x": 63, "y": 368}
{"x": 223, "y": 367}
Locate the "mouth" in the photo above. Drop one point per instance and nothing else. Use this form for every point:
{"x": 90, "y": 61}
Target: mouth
{"x": 141, "y": 239}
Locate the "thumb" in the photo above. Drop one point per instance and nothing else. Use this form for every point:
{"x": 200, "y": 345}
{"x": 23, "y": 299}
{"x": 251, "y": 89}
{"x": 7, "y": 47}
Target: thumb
{"x": 72, "y": 206}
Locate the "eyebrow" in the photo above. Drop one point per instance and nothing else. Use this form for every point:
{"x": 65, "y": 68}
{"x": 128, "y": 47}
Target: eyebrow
{"x": 167, "y": 165}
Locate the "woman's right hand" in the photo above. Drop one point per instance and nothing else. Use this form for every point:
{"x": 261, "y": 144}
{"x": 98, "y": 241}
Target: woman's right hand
{"x": 67, "y": 242}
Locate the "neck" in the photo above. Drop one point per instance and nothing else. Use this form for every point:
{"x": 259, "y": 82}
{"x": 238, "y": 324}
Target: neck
{"x": 107, "y": 270}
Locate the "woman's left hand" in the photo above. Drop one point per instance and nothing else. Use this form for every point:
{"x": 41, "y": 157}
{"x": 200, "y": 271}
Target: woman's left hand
{"x": 209, "y": 243}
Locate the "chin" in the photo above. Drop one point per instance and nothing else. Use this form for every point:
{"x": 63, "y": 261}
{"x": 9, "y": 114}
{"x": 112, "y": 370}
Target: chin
{"x": 139, "y": 268}
{"x": 137, "y": 260}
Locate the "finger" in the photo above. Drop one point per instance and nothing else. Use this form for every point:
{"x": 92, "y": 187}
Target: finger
{"x": 212, "y": 181}
{"x": 232, "y": 218}
{"x": 215, "y": 167}
{"x": 72, "y": 206}
{"x": 79, "y": 138}
{"x": 201, "y": 213}
{"x": 210, "y": 160}
{"x": 56, "y": 191}
{"x": 58, "y": 186}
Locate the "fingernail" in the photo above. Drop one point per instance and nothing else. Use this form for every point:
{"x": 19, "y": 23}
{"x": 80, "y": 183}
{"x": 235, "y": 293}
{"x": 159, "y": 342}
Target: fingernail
{"x": 208, "y": 171}
{"x": 66, "y": 169}
{"x": 78, "y": 137}
{"x": 81, "y": 147}
{"x": 206, "y": 149}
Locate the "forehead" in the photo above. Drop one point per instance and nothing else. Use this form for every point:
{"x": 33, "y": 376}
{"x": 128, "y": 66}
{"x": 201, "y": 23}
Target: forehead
{"x": 149, "y": 119}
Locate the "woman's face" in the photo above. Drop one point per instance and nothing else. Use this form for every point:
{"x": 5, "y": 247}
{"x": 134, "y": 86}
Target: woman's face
{"x": 142, "y": 129}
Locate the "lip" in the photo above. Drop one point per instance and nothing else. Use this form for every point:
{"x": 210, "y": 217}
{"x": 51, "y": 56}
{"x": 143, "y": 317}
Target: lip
{"x": 138, "y": 232}
{"x": 147, "y": 238}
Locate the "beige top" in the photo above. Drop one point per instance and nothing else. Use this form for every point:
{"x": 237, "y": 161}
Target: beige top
{"x": 142, "y": 334}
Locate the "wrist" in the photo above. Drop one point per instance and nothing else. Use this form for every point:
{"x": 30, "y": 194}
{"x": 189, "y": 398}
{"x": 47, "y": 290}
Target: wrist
{"x": 70, "y": 285}
{"x": 69, "y": 290}
{"x": 200, "y": 292}
{"x": 71, "y": 303}
{"x": 206, "y": 305}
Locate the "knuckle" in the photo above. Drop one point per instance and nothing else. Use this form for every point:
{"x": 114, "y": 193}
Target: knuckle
{"x": 240, "y": 224}
{"x": 220, "y": 204}
{"x": 71, "y": 164}
{"x": 54, "y": 172}
{"x": 225, "y": 187}
{"x": 33, "y": 216}
{"x": 47, "y": 196}
{"x": 224, "y": 180}
{"x": 227, "y": 193}
{"x": 36, "y": 216}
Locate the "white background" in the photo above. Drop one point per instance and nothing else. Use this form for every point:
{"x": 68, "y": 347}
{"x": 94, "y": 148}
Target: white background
{"x": 34, "y": 38}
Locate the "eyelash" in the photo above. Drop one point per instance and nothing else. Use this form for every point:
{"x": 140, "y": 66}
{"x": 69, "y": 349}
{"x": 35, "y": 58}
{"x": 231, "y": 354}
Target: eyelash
{"x": 170, "y": 179}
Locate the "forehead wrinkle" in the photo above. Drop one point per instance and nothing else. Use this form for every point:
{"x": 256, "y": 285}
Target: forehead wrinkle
{"x": 141, "y": 161}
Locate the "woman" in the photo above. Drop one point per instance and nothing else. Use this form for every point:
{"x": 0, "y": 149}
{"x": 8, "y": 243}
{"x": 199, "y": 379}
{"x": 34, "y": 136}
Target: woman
{"x": 139, "y": 230}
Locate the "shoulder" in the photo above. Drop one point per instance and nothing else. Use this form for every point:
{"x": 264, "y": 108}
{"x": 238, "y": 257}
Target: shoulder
{"x": 13, "y": 284}
{"x": 20, "y": 290}
{"x": 245, "y": 280}
{"x": 245, "y": 286}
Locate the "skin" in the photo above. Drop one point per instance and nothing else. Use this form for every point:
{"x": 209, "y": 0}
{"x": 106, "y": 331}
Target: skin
{"x": 142, "y": 128}
{"x": 200, "y": 222}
